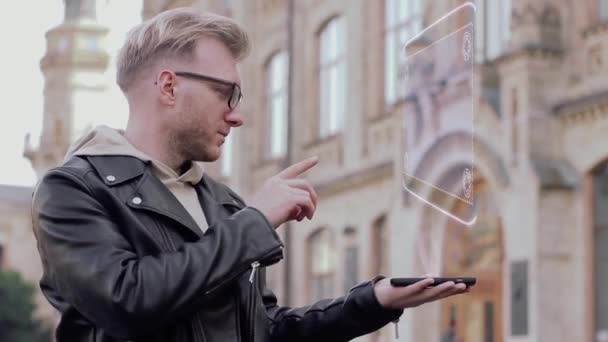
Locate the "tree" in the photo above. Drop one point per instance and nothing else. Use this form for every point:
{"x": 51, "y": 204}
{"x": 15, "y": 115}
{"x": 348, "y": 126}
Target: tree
{"x": 17, "y": 323}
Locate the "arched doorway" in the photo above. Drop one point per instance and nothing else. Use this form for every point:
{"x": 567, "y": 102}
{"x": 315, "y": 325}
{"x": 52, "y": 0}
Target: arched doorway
{"x": 474, "y": 251}
{"x": 478, "y": 315}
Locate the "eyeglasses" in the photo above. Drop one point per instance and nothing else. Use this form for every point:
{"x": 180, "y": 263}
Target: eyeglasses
{"x": 235, "y": 96}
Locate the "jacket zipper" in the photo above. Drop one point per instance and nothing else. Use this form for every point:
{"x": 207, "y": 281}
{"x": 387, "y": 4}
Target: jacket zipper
{"x": 166, "y": 239}
{"x": 252, "y": 300}
{"x": 254, "y": 268}
{"x": 201, "y": 328}
{"x": 197, "y": 329}
{"x": 237, "y": 301}
{"x": 163, "y": 241}
{"x": 396, "y": 322}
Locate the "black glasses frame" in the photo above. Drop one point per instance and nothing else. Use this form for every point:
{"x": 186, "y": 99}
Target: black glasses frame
{"x": 236, "y": 94}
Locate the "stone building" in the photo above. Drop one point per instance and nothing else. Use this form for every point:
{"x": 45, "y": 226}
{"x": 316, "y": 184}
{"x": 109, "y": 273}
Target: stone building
{"x": 539, "y": 245}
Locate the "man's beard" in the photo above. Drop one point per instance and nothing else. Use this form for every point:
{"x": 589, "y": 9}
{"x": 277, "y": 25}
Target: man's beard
{"x": 194, "y": 145}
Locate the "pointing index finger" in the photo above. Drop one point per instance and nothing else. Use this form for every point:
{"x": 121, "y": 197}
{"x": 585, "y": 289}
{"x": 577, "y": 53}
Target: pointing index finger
{"x": 298, "y": 168}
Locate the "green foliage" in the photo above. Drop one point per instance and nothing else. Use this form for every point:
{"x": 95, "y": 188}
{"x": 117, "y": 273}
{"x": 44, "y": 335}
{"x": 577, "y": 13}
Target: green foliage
{"x": 17, "y": 323}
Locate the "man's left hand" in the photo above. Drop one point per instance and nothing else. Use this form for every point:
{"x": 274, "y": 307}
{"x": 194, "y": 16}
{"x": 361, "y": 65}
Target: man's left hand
{"x": 414, "y": 295}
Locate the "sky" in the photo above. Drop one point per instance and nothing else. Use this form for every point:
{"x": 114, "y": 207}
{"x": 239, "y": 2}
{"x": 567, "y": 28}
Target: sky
{"x": 22, "y": 34}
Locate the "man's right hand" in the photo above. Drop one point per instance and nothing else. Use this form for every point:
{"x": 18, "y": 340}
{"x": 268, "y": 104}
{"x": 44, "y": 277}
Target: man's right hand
{"x": 285, "y": 197}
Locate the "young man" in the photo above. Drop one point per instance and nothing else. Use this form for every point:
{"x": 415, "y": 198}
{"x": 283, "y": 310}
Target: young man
{"x": 138, "y": 244}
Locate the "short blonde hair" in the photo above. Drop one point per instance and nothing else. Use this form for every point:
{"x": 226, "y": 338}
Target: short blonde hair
{"x": 174, "y": 34}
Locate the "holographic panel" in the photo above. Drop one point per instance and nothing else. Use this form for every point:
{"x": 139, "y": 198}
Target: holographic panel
{"x": 438, "y": 121}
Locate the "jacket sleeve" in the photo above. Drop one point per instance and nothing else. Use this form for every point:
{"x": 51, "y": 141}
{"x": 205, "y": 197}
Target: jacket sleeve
{"x": 341, "y": 319}
{"x": 89, "y": 261}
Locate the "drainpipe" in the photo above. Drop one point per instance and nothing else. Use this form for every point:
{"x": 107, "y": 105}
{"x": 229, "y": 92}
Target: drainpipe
{"x": 290, "y": 146}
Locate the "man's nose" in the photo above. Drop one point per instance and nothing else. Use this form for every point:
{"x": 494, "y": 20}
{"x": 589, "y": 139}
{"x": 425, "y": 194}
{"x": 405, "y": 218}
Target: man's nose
{"x": 234, "y": 118}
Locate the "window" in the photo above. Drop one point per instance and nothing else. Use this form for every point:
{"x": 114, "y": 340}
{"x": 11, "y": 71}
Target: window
{"x": 332, "y": 77}
{"x": 488, "y": 322}
{"x": 227, "y": 151}
{"x": 403, "y": 20}
{"x": 351, "y": 258}
{"x": 595, "y": 60}
{"x": 519, "y": 298}
{"x": 351, "y": 267}
{"x": 228, "y": 5}
{"x": 600, "y": 241}
{"x": 380, "y": 247}
{"x": 493, "y": 28}
{"x": 276, "y": 102}
{"x": 379, "y": 258}
{"x": 602, "y": 9}
{"x": 321, "y": 264}
{"x": 514, "y": 125}
{"x": 89, "y": 44}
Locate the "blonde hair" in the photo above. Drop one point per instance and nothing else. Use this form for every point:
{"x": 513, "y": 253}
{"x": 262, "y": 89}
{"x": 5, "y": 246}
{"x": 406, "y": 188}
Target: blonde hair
{"x": 174, "y": 33}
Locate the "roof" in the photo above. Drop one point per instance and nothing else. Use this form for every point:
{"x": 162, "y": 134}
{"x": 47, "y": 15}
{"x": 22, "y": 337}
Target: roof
{"x": 600, "y": 97}
{"x": 16, "y": 194}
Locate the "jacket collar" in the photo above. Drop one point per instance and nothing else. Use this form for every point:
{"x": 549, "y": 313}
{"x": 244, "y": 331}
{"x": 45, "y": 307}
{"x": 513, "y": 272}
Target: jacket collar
{"x": 219, "y": 192}
{"x": 115, "y": 170}
{"x": 148, "y": 194}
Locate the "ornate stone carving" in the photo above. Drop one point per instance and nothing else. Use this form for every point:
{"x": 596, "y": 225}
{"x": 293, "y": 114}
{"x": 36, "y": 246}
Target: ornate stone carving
{"x": 536, "y": 27}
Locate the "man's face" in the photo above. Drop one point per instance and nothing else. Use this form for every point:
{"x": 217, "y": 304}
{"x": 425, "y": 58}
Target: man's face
{"x": 201, "y": 117}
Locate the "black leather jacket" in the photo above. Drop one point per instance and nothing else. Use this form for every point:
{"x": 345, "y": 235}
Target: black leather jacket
{"x": 124, "y": 261}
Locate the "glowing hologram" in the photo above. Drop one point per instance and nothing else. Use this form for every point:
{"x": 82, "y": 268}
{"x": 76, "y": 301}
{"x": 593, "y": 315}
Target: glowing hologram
{"x": 439, "y": 91}
{"x": 467, "y": 5}
{"x": 467, "y": 46}
{"x": 443, "y": 211}
{"x": 449, "y": 193}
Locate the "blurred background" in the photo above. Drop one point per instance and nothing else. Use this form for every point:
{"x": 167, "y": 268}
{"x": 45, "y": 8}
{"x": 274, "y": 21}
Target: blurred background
{"x": 323, "y": 79}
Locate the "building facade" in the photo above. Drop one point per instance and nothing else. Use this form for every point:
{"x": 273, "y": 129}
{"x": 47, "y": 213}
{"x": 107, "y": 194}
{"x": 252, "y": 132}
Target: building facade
{"x": 539, "y": 245}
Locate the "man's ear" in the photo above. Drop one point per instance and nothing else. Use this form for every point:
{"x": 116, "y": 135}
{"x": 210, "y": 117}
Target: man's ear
{"x": 167, "y": 86}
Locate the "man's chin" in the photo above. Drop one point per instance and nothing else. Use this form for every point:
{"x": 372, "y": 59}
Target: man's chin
{"x": 214, "y": 155}
{"x": 208, "y": 157}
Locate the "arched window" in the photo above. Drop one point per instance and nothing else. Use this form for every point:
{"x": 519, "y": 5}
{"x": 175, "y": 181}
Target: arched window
{"x": 402, "y": 20}
{"x": 332, "y": 77}
{"x": 276, "y": 105}
{"x": 322, "y": 264}
{"x": 600, "y": 241}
